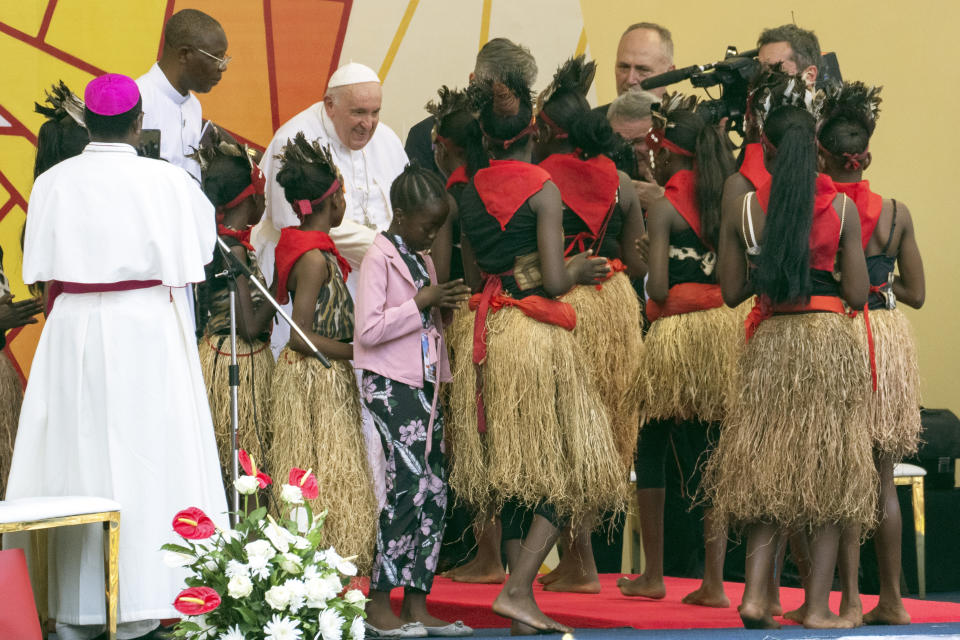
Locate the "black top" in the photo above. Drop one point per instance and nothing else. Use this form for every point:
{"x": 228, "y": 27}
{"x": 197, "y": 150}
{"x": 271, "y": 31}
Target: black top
{"x": 419, "y": 145}
{"x": 456, "y": 254}
{"x": 690, "y": 260}
{"x": 880, "y": 271}
{"x": 609, "y": 245}
{"x": 496, "y": 250}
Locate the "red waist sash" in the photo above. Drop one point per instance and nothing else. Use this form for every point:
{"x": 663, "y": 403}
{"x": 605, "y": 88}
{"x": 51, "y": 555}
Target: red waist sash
{"x": 57, "y": 287}
{"x": 763, "y": 310}
{"x": 686, "y": 297}
{"x": 491, "y": 299}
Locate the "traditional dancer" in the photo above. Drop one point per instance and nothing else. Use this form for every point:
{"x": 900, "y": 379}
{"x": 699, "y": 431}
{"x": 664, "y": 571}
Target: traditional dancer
{"x": 848, "y": 119}
{"x": 63, "y": 135}
{"x": 315, "y": 412}
{"x": 794, "y": 454}
{"x": 115, "y": 405}
{"x": 398, "y": 343}
{"x": 693, "y": 339}
{"x": 235, "y": 185}
{"x": 601, "y": 213}
{"x": 539, "y": 434}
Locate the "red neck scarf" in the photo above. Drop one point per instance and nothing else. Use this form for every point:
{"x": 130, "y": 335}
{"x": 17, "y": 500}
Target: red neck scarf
{"x": 588, "y": 187}
{"x": 293, "y": 244}
{"x": 753, "y": 168}
{"x": 241, "y": 235}
{"x": 459, "y": 176}
{"x": 505, "y": 185}
{"x": 869, "y": 205}
{"x": 825, "y": 230}
{"x": 681, "y": 191}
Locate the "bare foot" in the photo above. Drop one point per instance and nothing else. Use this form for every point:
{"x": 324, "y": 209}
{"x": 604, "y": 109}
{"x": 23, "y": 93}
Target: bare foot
{"x": 797, "y": 615}
{"x": 520, "y": 629}
{"x": 755, "y": 616}
{"x": 828, "y": 621}
{"x": 884, "y": 614}
{"x": 520, "y": 607}
{"x": 775, "y": 609}
{"x": 707, "y": 597}
{"x": 574, "y": 584}
{"x": 642, "y": 586}
{"x": 852, "y": 611}
{"x": 477, "y": 572}
{"x": 560, "y": 572}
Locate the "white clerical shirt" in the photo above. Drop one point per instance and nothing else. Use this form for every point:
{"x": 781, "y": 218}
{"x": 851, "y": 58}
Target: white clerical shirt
{"x": 178, "y": 117}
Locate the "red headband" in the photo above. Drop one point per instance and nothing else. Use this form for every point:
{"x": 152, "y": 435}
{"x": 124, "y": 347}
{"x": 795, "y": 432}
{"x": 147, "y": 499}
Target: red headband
{"x": 258, "y": 184}
{"x": 558, "y": 132}
{"x": 530, "y": 128}
{"x": 305, "y": 207}
{"x": 854, "y": 161}
{"x": 657, "y": 139}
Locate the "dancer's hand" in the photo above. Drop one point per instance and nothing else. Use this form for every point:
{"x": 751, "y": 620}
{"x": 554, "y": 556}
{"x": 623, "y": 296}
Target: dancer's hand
{"x": 17, "y": 314}
{"x": 448, "y": 295}
{"x": 586, "y": 269}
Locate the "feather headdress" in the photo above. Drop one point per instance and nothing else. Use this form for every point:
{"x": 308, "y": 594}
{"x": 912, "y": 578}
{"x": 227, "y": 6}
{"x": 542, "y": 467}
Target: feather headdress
{"x": 63, "y": 103}
{"x": 504, "y": 95}
{"x": 303, "y": 151}
{"x": 450, "y": 101}
{"x": 670, "y": 103}
{"x": 219, "y": 145}
{"x": 853, "y": 101}
{"x": 576, "y": 75}
{"x": 773, "y": 88}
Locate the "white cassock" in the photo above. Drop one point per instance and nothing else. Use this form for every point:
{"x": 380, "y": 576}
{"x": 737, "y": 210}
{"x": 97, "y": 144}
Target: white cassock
{"x": 115, "y": 404}
{"x": 179, "y": 119}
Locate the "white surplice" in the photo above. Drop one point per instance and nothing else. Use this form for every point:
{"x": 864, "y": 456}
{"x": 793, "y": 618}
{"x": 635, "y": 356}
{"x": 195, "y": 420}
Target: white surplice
{"x": 115, "y": 404}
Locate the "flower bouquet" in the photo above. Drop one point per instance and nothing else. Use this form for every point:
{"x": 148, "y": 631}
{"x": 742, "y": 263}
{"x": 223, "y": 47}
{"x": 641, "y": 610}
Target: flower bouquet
{"x": 266, "y": 579}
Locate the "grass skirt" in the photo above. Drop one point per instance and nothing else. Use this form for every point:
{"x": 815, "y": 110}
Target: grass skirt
{"x": 316, "y": 424}
{"x": 689, "y": 363}
{"x": 609, "y": 334}
{"x": 548, "y": 436}
{"x": 795, "y": 449}
{"x": 894, "y": 410}
{"x": 11, "y": 397}
{"x": 253, "y": 396}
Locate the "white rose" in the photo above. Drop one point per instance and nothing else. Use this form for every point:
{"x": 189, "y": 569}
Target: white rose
{"x": 353, "y": 596}
{"x": 290, "y": 562}
{"x": 334, "y": 584}
{"x": 278, "y": 597}
{"x": 330, "y": 624}
{"x": 259, "y": 549}
{"x": 246, "y": 485}
{"x": 291, "y": 494}
{"x": 319, "y": 590}
{"x": 357, "y": 630}
{"x": 239, "y": 586}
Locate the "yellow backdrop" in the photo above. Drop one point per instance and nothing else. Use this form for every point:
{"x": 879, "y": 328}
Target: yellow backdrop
{"x": 284, "y": 49}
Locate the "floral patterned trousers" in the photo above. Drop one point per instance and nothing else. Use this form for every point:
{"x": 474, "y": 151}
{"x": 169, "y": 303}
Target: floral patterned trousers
{"x": 412, "y": 520}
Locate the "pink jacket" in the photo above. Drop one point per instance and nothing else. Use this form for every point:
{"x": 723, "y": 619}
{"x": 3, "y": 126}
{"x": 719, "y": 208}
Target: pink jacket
{"x": 386, "y": 335}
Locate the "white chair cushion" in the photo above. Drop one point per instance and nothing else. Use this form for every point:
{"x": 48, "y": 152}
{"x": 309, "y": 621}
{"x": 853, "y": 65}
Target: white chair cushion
{"x": 904, "y": 470}
{"x": 34, "y": 509}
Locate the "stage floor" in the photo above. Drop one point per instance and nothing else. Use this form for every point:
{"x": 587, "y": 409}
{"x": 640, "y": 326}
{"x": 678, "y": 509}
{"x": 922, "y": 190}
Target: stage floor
{"x": 610, "y": 610}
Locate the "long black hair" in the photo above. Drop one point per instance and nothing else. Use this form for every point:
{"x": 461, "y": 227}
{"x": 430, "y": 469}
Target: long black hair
{"x": 63, "y": 135}
{"x": 713, "y": 163}
{"x": 783, "y": 271}
{"x": 505, "y": 110}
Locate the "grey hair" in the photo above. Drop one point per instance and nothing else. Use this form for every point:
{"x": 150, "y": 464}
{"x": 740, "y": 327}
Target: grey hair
{"x": 501, "y": 54}
{"x": 803, "y": 42}
{"x": 632, "y": 105}
{"x": 666, "y": 38}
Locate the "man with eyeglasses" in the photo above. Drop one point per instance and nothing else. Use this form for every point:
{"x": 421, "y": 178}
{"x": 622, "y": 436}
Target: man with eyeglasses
{"x": 194, "y": 58}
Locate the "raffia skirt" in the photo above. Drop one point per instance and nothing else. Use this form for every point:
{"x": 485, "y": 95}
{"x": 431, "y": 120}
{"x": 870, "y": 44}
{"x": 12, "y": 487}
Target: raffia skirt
{"x": 795, "y": 449}
{"x": 894, "y": 410}
{"x": 689, "y": 363}
{"x": 609, "y": 334}
{"x": 11, "y": 397}
{"x": 253, "y": 396}
{"x": 316, "y": 424}
{"x": 548, "y": 436}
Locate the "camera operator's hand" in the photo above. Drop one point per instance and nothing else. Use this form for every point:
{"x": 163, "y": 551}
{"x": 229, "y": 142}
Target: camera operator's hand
{"x": 588, "y": 270}
{"x": 17, "y": 314}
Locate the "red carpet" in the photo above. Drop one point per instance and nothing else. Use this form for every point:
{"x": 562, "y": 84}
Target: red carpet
{"x": 471, "y": 603}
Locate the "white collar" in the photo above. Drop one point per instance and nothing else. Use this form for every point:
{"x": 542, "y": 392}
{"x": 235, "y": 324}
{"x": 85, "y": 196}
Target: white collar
{"x": 160, "y": 80}
{"x": 109, "y": 147}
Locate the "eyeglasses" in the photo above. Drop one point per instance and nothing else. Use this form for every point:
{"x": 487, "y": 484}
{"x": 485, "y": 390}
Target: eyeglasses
{"x": 221, "y": 62}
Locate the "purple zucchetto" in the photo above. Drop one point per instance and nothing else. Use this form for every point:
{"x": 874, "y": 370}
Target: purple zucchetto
{"x": 111, "y": 94}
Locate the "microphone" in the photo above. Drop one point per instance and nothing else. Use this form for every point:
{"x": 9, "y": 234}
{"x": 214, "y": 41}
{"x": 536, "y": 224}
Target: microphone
{"x": 670, "y": 77}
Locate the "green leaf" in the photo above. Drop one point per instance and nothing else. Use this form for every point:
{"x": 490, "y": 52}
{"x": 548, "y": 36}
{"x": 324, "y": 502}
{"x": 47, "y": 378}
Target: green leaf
{"x": 178, "y": 549}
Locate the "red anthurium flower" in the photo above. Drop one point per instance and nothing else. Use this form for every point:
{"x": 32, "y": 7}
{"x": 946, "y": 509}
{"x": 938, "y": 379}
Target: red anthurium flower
{"x": 250, "y": 467}
{"x": 193, "y": 524}
{"x": 196, "y": 601}
{"x": 307, "y": 481}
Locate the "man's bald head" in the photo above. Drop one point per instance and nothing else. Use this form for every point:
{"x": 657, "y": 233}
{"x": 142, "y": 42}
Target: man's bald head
{"x": 645, "y": 50}
{"x": 189, "y": 27}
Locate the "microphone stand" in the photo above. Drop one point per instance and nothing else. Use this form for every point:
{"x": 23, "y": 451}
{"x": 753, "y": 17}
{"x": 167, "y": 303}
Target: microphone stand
{"x": 235, "y": 267}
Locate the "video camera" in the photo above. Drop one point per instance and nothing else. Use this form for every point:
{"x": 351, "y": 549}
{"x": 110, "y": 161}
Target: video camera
{"x": 734, "y": 74}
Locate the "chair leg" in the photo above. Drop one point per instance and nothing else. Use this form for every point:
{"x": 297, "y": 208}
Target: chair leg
{"x": 111, "y": 571}
{"x": 39, "y": 540}
{"x": 919, "y": 527}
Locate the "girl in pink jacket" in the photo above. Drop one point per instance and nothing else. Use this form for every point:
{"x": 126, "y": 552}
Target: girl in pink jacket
{"x": 398, "y": 343}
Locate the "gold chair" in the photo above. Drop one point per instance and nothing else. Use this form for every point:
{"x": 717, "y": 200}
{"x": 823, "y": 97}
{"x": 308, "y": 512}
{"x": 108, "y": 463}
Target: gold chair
{"x": 40, "y": 514}
{"x": 912, "y": 476}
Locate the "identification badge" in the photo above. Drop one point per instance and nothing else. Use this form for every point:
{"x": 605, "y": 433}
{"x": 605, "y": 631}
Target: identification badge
{"x": 429, "y": 368}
